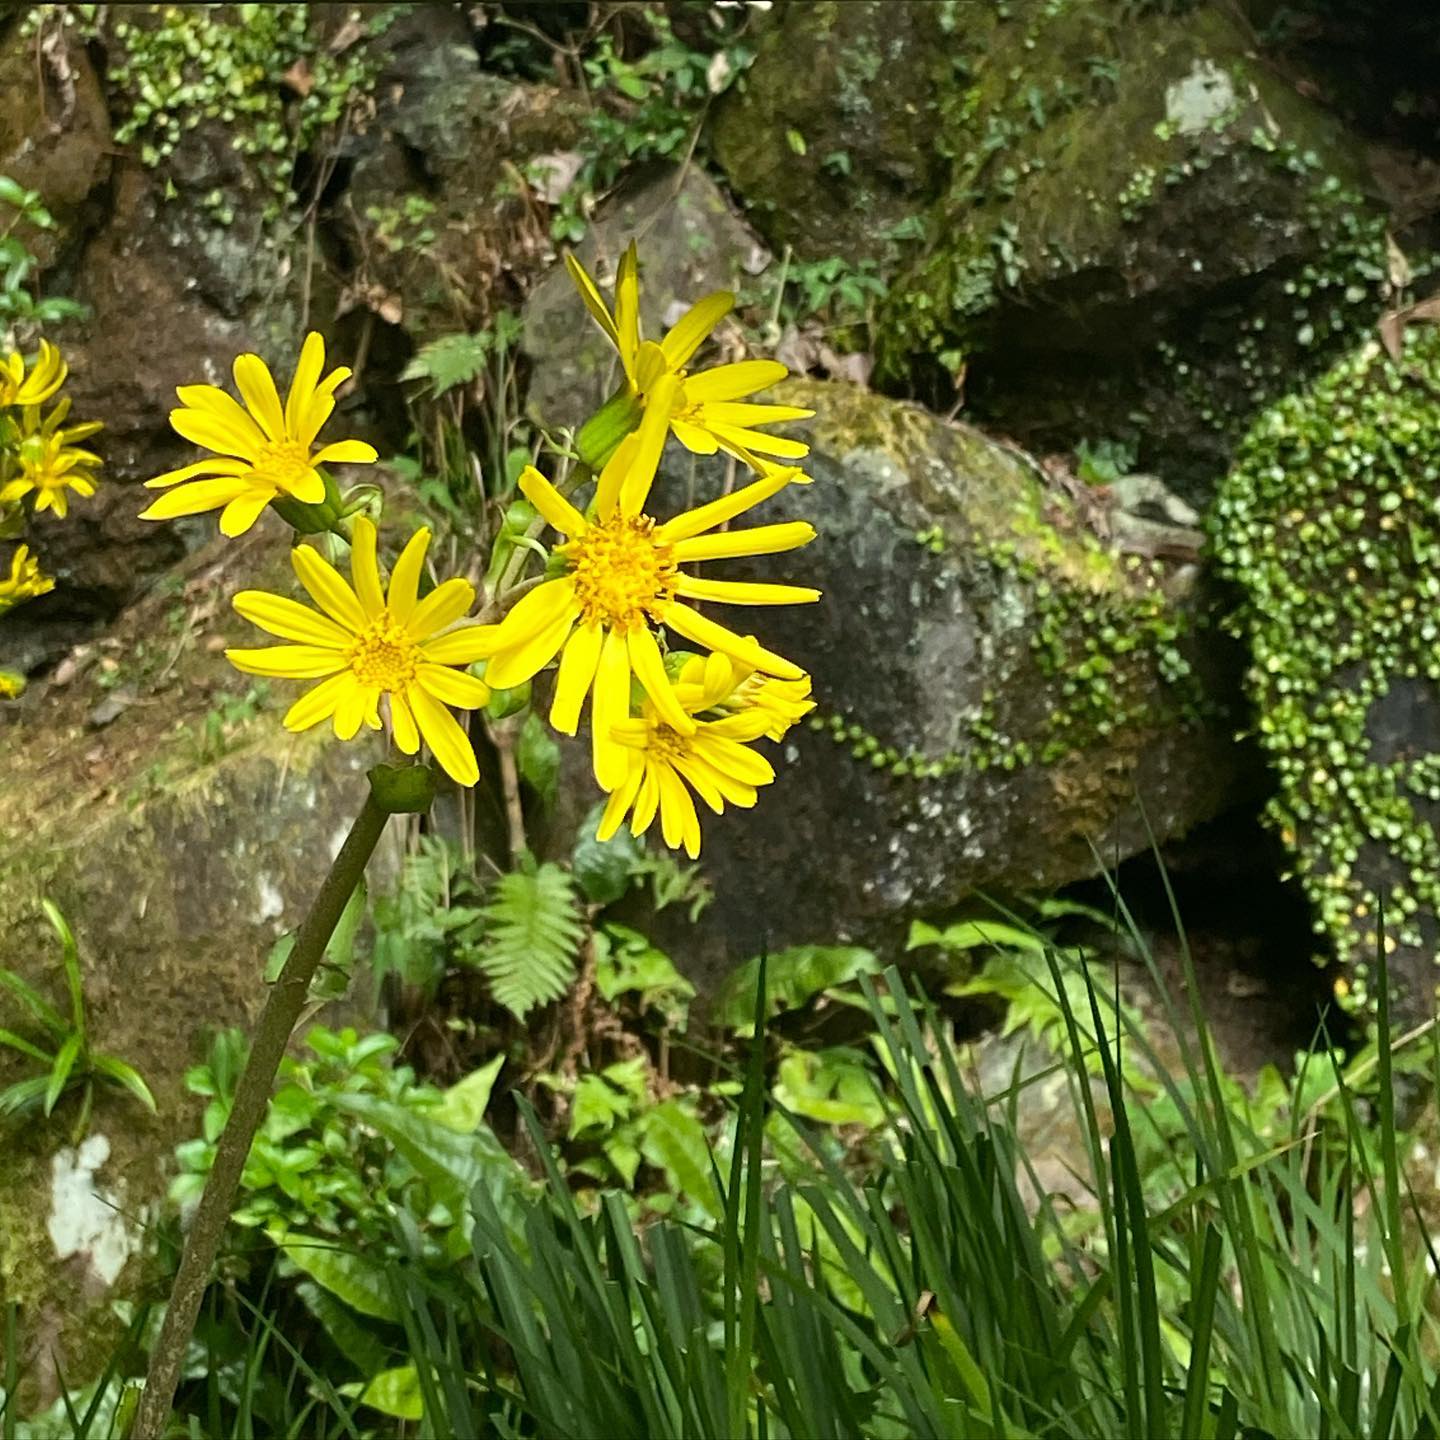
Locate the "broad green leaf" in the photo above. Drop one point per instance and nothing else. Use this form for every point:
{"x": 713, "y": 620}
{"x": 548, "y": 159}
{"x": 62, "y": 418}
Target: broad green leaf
{"x": 464, "y": 1104}
{"x": 603, "y": 870}
{"x": 795, "y": 976}
{"x": 971, "y": 934}
{"x": 346, "y": 1274}
{"x": 626, "y": 962}
{"x": 392, "y": 1392}
{"x": 672, "y": 1138}
{"x": 352, "y": 1337}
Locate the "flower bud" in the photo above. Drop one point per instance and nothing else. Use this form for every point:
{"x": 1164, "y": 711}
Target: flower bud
{"x": 608, "y": 426}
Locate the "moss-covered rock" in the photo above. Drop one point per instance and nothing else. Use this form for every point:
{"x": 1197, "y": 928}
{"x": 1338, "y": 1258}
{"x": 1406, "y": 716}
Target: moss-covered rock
{"x": 830, "y": 135}
{"x": 1330, "y": 525}
{"x": 1000, "y": 689}
{"x": 150, "y": 792}
{"x": 1144, "y": 233}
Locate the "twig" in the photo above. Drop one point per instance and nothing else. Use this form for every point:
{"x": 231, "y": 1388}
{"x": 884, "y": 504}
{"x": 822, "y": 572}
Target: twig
{"x": 503, "y": 734}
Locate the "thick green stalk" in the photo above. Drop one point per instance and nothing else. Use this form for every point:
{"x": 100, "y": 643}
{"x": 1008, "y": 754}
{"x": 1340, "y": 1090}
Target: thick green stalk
{"x": 393, "y": 790}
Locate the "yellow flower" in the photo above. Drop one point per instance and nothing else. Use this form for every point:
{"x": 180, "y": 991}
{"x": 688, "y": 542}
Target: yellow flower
{"x": 711, "y": 758}
{"x": 49, "y": 460}
{"x": 262, "y": 452}
{"x": 12, "y": 685}
{"x": 622, "y": 578}
{"x": 17, "y": 388}
{"x": 705, "y": 411}
{"x": 368, "y": 643}
{"x": 25, "y": 581}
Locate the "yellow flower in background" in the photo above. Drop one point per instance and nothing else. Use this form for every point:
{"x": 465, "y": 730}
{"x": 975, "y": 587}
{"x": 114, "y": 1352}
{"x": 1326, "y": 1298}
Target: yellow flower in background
{"x": 705, "y": 411}
{"x": 24, "y": 582}
{"x": 623, "y": 578}
{"x": 47, "y": 376}
{"x": 783, "y": 703}
{"x": 262, "y": 451}
{"x": 49, "y": 461}
{"x": 365, "y": 643}
{"x": 662, "y": 765}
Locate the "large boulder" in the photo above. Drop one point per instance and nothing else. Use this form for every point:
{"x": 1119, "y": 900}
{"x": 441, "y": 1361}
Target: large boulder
{"x": 150, "y": 792}
{"x": 1017, "y": 682}
{"x": 1329, "y": 525}
{"x": 1119, "y": 223}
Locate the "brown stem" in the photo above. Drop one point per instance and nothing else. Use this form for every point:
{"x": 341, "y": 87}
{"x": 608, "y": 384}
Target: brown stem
{"x": 393, "y": 790}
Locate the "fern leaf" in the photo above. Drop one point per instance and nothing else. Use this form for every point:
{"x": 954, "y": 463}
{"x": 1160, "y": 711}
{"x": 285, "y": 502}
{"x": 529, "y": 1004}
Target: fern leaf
{"x": 533, "y": 933}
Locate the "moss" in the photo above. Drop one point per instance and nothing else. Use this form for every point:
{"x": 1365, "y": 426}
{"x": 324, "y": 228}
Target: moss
{"x": 1330, "y": 525}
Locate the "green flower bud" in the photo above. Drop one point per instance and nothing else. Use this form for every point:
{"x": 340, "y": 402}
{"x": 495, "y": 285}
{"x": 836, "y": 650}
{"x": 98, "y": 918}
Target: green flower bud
{"x": 602, "y": 433}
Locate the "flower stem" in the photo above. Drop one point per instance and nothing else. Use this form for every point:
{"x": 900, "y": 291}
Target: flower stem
{"x": 393, "y": 790}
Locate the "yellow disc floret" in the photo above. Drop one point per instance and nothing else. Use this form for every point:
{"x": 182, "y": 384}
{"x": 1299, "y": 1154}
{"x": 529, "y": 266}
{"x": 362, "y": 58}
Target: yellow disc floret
{"x": 624, "y": 575}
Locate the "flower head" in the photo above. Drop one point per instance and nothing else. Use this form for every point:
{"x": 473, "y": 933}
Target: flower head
{"x": 623, "y": 578}
{"x": 705, "y": 411}
{"x": 47, "y": 376}
{"x": 24, "y": 582}
{"x": 49, "y": 461}
{"x": 262, "y": 450}
{"x": 365, "y": 643}
{"x": 662, "y": 765}
{"x": 783, "y": 703}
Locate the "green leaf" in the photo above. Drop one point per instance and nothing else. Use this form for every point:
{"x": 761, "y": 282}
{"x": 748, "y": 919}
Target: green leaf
{"x": 538, "y": 758}
{"x": 972, "y": 934}
{"x": 392, "y": 1392}
{"x": 354, "y": 1278}
{"x": 13, "y": 1041}
{"x": 795, "y": 976}
{"x": 127, "y": 1076}
{"x": 672, "y": 1138}
{"x": 43, "y": 1011}
{"x": 341, "y": 949}
{"x": 449, "y": 361}
{"x": 626, "y": 962}
{"x": 603, "y": 869}
{"x": 832, "y": 1086}
{"x": 278, "y": 954}
{"x": 796, "y": 141}
{"x": 464, "y": 1104}
{"x": 70, "y": 956}
{"x": 533, "y": 934}
{"x": 60, "y": 1071}
{"x": 354, "y": 1339}
{"x": 23, "y": 1094}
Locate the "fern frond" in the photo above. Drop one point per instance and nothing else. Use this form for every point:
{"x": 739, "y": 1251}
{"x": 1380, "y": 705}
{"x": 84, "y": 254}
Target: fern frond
{"x": 532, "y": 935}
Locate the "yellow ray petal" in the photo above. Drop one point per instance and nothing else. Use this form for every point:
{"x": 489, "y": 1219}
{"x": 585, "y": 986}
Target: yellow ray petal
{"x": 319, "y": 703}
{"x": 320, "y": 408}
{"x": 194, "y": 498}
{"x": 649, "y": 669}
{"x": 725, "y": 412}
{"x": 302, "y": 385}
{"x": 200, "y": 427}
{"x": 213, "y": 401}
{"x": 257, "y": 388}
{"x": 346, "y": 452}
{"x": 649, "y": 444}
{"x": 743, "y": 592}
{"x": 735, "y": 791}
{"x": 535, "y": 611}
{"x": 627, "y": 308}
{"x": 690, "y": 331}
{"x": 442, "y": 607}
{"x": 733, "y": 382}
{"x": 509, "y": 668}
{"x": 678, "y": 821}
{"x": 559, "y": 513}
{"x": 402, "y": 721}
{"x": 758, "y": 540}
{"x": 609, "y": 704}
{"x": 607, "y": 488}
{"x": 647, "y": 801}
{"x": 405, "y": 577}
{"x": 756, "y": 441}
{"x": 594, "y": 302}
{"x": 296, "y": 662}
{"x": 732, "y": 758}
{"x": 727, "y": 507}
{"x": 699, "y": 777}
{"x": 619, "y": 802}
{"x": 243, "y": 511}
{"x": 328, "y": 588}
{"x": 704, "y": 631}
{"x": 365, "y": 567}
{"x": 577, "y": 671}
{"x": 291, "y": 620}
{"x": 463, "y": 646}
{"x": 350, "y": 712}
{"x": 693, "y": 438}
{"x": 453, "y": 687}
{"x": 443, "y": 734}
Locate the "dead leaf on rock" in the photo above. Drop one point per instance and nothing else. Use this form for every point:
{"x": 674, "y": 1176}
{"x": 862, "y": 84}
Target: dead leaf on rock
{"x": 299, "y": 78}
{"x": 550, "y": 176}
{"x": 1393, "y": 323}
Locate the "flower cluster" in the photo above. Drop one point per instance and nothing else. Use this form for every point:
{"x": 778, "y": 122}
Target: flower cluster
{"x": 617, "y": 599}
{"x": 42, "y": 463}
